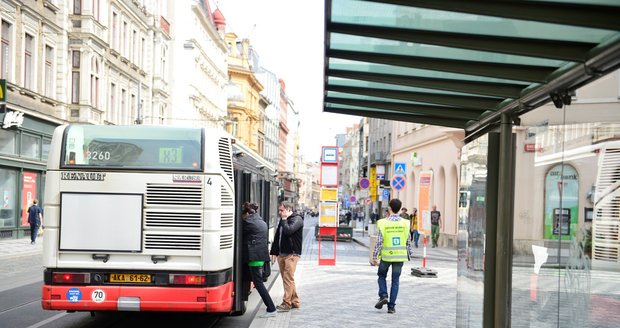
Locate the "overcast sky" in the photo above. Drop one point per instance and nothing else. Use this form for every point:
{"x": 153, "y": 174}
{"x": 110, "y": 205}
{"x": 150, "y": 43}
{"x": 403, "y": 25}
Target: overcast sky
{"x": 288, "y": 36}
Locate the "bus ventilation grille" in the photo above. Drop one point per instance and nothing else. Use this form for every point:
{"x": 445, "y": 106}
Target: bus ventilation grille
{"x": 173, "y": 219}
{"x": 227, "y": 220}
{"x": 226, "y": 241}
{"x": 225, "y": 149}
{"x": 173, "y": 194}
{"x": 227, "y": 199}
{"x": 172, "y": 242}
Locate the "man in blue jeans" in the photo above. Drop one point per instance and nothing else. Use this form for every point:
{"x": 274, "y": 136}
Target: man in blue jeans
{"x": 393, "y": 248}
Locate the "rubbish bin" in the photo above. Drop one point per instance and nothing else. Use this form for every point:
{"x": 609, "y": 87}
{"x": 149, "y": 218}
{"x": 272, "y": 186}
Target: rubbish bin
{"x": 371, "y": 247}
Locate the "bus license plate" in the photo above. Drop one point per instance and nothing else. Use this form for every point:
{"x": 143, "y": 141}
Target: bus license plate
{"x": 130, "y": 278}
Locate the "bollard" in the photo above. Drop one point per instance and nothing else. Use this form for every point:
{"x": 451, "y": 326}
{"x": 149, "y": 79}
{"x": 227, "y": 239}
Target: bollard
{"x": 424, "y": 254}
{"x": 423, "y": 272}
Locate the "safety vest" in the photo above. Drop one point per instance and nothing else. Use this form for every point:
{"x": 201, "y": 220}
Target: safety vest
{"x": 395, "y": 235}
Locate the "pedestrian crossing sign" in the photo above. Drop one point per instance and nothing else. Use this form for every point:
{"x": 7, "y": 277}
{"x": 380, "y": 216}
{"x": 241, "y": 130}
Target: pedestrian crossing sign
{"x": 400, "y": 168}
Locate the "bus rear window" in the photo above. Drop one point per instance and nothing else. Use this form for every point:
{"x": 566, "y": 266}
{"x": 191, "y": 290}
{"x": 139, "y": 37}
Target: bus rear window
{"x": 132, "y": 147}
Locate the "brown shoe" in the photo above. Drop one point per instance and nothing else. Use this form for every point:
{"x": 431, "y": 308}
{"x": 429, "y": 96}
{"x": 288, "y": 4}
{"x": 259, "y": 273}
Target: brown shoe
{"x": 296, "y": 306}
{"x": 283, "y": 308}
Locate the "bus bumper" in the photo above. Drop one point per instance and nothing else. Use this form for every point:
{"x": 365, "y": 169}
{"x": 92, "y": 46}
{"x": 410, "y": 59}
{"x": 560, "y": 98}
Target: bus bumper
{"x": 138, "y": 298}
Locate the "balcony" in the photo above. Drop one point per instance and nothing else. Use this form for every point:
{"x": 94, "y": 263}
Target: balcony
{"x": 88, "y": 25}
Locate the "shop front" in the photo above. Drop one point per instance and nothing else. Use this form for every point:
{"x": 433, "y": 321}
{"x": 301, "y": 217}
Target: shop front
{"x": 24, "y": 148}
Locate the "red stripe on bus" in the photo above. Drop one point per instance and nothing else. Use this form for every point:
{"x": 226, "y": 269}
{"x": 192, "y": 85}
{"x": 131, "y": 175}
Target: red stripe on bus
{"x": 172, "y": 299}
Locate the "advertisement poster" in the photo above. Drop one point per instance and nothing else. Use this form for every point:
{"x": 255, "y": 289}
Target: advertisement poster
{"x": 29, "y": 192}
{"x": 424, "y": 202}
{"x": 561, "y": 202}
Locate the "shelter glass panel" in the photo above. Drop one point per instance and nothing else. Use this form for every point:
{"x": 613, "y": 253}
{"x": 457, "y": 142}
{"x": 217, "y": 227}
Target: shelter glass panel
{"x": 566, "y": 247}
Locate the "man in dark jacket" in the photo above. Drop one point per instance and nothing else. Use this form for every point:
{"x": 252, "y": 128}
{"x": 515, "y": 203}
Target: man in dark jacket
{"x": 287, "y": 248}
{"x": 256, "y": 252}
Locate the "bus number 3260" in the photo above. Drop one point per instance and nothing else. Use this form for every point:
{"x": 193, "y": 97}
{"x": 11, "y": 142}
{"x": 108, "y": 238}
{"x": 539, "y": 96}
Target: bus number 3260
{"x": 98, "y": 155}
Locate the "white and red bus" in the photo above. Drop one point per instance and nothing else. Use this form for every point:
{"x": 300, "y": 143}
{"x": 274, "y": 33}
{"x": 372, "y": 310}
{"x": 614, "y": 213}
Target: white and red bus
{"x": 144, "y": 218}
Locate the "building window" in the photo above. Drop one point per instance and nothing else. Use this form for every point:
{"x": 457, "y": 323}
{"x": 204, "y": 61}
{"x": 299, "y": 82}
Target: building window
{"x": 30, "y": 146}
{"x": 45, "y": 149}
{"x": 124, "y": 40}
{"x": 75, "y": 77}
{"x": 94, "y": 83}
{"x": 134, "y": 110}
{"x": 49, "y": 71}
{"x": 6, "y": 51}
{"x": 8, "y": 142}
{"x": 114, "y": 41}
{"x": 112, "y": 105}
{"x": 162, "y": 114}
{"x": 28, "y": 67}
{"x": 96, "y": 9}
{"x": 124, "y": 115}
{"x": 134, "y": 46}
{"x": 142, "y": 49}
{"x": 163, "y": 63}
{"x": 77, "y": 7}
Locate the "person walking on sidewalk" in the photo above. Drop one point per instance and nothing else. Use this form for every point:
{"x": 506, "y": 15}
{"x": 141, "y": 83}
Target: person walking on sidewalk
{"x": 287, "y": 248}
{"x": 415, "y": 234}
{"x": 35, "y": 219}
{"x": 256, "y": 252}
{"x": 393, "y": 248}
{"x": 403, "y": 213}
{"x": 435, "y": 225}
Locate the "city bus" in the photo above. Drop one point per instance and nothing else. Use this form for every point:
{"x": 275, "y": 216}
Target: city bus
{"x": 146, "y": 218}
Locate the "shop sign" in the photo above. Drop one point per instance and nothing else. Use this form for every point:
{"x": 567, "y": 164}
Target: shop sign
{"x": 13, "y": 119}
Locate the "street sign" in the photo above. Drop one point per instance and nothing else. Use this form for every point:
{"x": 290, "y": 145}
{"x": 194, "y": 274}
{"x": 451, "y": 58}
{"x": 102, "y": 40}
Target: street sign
{"x": 385, "y": 195}
{"x": 398, "y": 182}
{"x": 400, "y": 168}
{"x": 352, "y": 199}
{"x": 364, "y": 183}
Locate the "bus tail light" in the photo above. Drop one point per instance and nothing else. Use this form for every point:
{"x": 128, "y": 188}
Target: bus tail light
{"x": 187, "y": 279}
{"x": 71, "y": 278}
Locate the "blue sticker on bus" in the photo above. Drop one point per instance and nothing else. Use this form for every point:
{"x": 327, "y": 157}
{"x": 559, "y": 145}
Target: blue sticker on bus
{"x": 74, "y": 295}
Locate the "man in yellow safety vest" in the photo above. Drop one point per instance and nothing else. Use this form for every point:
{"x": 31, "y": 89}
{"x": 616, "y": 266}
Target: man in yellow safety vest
{"x": 393, "y": 248}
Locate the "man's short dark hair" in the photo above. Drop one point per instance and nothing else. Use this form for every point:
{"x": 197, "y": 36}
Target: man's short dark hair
{"x": 395, "y": 205}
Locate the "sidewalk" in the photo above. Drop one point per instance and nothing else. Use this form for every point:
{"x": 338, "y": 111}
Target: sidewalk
{"x": 15, "y": 248}
{"x": 344, "y": 295}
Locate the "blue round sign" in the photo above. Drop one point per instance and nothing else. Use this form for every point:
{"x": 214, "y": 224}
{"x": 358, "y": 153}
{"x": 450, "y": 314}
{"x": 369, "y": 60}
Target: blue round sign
{"x": 74, "y": 295}
{"x": 398, "y": 182}
{"x": 364, "y": 183}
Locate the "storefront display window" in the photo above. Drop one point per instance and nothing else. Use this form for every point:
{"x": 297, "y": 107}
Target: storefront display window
{"x": 8, "y": 188}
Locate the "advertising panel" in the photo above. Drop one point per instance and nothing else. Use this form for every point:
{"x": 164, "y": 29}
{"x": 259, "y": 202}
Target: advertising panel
{"x": 424, "y": 201}
{"x": 29, "y": 193}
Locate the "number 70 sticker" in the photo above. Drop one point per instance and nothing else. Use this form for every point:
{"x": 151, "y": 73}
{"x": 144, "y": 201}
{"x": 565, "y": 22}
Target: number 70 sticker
{"x": 98, "y": 296}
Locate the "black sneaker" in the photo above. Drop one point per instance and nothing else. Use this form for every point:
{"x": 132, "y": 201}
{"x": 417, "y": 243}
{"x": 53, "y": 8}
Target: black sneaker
{"x": 391, "y": 310}
{"x": 382, "y": 301}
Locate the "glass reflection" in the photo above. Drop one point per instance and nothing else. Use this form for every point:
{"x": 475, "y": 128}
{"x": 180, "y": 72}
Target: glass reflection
{"x": 471, "y": 233}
